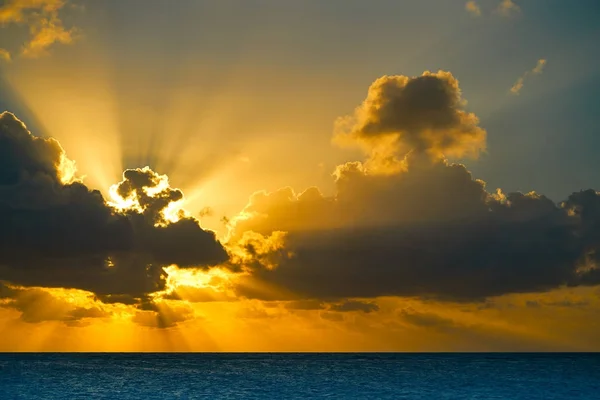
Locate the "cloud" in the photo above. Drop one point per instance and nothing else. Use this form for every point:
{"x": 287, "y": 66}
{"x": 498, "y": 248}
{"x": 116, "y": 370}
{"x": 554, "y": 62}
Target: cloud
{"x": 5, "y": 55}
{"x": 507, "y": 8}
{"x": 332, "y": 316}
{"x": 55, "y": 232}
{"x": 253, "y": 310}
{"x": 423, "y": 115}
{"x": 45, "y": 25}
{"x": 538, "y": 69}
{"x": 38, "y": 305}
{"x": 45, "y": 33}
{"x": 428, "y": 320}
{"x": 19, "y": 10}
{"x": 367, "y": 199}
{"x": 306, "y": 305}
{"x": 163, "y": 316}
{"x": 427, "y": 230}
{"x": 195, "y": 294}
{"x": 473, "y": 8}
{"x": 355, "y": 305}
{"x": 344, "y": 306}
{"x": 169, "y": 239}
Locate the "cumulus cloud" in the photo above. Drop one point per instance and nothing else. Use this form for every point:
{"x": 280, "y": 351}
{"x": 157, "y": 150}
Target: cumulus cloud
{"x": 538, "y": 69}
{"x": 367, "y": 199}
{"x": 44, "y": 22}
{"x": 473, "y": 8}
{"x": 169, "y": 239}
{"x": 423, "y": 115}
{"x": 429, "y": 229}
{"x": 55, "y": 232}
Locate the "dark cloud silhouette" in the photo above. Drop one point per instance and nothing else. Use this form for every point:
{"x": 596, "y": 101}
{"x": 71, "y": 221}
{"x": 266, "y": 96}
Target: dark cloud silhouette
{"x": 424, "y": 114}
{"x": 431, "y": 230}
{"x": 182, "y": 242}
{"x": 55, "y": 232}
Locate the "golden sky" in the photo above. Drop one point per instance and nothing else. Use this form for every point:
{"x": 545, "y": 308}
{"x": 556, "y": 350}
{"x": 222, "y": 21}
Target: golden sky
{"x": 261, "y": 187}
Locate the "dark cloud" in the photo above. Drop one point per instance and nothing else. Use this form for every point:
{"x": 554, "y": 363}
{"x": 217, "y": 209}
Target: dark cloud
{"x": 424, "y": 114}
{"x": 308, "y": 304}
{"x": 182, "y": 242}
{"x": 6, "y": 292}
{"x": 431, "y": 230}
{"x": 355, "y": 305}
{"x": 122, "y": 299}
{"x": 55, "y": 232}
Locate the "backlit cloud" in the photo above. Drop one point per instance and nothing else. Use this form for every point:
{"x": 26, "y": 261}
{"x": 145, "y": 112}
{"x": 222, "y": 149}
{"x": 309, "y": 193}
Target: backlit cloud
{"x": 423, "y": 114}
{"x": 428, "y": 230}
{"x": 55, "y": 232}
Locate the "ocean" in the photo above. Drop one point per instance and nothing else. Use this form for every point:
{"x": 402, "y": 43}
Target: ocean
{"x": 299, "y": 376}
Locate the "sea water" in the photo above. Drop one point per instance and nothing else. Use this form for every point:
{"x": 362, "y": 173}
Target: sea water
{"x": 299, "y": 376}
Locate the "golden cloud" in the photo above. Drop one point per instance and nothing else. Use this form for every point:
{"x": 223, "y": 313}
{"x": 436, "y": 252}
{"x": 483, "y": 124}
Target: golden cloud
{"x": 5, "y": 55}
{"x": 422, "y": 115}
{"x": 45, "y": 25}
{"x": 473, "y": 8}
{"x": 538, "y": 69}
{"x": 507, "y": 8}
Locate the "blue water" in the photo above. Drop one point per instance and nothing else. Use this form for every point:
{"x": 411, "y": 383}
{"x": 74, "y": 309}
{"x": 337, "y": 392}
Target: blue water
{"x": 296, "y": 376}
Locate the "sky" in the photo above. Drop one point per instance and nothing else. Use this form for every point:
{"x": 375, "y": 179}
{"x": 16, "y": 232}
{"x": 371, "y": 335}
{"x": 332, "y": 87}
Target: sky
{"x": 408, "y": 175}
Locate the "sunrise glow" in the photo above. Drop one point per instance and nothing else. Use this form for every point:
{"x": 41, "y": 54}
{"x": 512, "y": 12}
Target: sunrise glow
{"x": 220, "y": 176}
